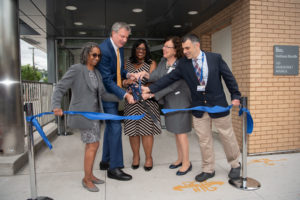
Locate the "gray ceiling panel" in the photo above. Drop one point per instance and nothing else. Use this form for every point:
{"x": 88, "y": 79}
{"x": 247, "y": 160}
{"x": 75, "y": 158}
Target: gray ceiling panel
{"x": 156, "y": 21}
{"x": 27, "y": 7}
{"x": 40, "y": 20}
{"x": 41, "y": 5}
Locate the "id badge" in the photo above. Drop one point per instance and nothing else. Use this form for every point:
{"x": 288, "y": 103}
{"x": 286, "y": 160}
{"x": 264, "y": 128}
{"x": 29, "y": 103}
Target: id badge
{"x": 170, "y": 69}
{"x": 200, "y": 88}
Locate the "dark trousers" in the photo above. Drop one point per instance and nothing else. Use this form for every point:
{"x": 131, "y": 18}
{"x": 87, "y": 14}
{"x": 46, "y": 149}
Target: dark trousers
{"x": 112, "y": 142}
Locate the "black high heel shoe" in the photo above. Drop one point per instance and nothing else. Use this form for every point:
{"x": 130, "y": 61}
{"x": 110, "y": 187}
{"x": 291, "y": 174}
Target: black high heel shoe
{"x": 147, "y": 169}
{"x": 135, "y": 166}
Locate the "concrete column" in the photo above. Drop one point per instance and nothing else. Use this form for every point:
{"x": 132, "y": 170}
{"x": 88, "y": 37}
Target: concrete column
{"x": 11, "y": 103}
{"x": 51, "y": 59}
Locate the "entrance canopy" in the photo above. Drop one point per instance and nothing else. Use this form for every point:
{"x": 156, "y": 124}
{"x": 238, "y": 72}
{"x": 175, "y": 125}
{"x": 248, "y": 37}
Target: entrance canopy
{"x": 93, "y": 18}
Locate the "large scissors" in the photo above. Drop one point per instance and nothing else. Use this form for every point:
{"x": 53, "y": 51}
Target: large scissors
{"x": 137, "y": 95}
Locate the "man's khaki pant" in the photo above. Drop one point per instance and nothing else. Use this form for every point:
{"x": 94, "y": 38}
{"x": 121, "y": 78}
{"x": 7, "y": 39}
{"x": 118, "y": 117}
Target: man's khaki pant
{"x": 203, "y": 128}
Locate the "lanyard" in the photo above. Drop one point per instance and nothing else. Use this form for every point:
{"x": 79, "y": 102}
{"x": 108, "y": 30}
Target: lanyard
{"x": 201, "y": 75}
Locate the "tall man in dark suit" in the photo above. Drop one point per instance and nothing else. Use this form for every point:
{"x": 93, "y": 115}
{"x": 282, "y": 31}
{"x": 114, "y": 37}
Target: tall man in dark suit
{"x": 112, "y": 70}
{"x": 203, "y": 71}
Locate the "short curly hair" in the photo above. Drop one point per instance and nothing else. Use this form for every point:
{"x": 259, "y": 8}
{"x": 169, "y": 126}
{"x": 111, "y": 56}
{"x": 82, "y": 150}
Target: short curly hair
{"x": 86, "y": 49}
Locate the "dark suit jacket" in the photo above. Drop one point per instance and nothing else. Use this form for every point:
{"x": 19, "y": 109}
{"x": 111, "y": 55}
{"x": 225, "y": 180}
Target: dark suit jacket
{"x": 108, "y": 69}
{"x": 214, "y": 93}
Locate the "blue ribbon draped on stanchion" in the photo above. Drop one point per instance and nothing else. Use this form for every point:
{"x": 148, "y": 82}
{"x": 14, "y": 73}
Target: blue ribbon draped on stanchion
{"x": 249, "y": 119}
{"x": 89, "y": 115}
{"x": 217, "y": 109}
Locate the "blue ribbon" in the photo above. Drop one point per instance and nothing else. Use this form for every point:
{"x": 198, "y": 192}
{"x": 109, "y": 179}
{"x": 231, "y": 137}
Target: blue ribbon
{"x": 89, "y": 115}
{"x": 249, "y": 119}
{"x": 38, "y": 127}
{"x": 217, "y": 109}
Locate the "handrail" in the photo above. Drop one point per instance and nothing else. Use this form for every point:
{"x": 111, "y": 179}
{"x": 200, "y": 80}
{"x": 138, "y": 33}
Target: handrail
{"x": 39, "y": 94}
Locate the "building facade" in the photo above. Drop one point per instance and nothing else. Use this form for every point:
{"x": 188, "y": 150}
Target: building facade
{"x": 273, "y": 100}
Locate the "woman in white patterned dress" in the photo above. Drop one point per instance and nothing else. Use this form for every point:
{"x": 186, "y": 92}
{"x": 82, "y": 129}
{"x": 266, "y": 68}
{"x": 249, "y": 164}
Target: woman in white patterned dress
{"x": 145, "y": 128}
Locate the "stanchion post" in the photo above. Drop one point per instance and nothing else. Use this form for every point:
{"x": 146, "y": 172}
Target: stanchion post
{"x": 244, "y": 182}
{"x": 57, "y": 118}
{"x": 245, "y": 142}
{"x": 59, "y": 131}
{"x": 66, "y": 133}
{"x": 29, "y": 112}
{"x": 65, "y": 125}
{"x": 31, "y": 161}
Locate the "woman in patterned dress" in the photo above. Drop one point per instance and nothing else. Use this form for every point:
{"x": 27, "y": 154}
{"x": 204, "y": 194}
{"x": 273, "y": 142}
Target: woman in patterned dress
{"x": 144, "y": 129}
{"x": 87, "y": 91}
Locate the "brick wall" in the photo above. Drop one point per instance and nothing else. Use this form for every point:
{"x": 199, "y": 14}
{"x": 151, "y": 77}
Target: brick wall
{"x": 205, "y": 42}
{"x": 274, "y": 101}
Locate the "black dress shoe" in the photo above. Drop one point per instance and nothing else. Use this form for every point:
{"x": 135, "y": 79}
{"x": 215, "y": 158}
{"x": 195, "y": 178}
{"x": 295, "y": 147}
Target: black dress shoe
{"x": 172, "y": 166}
{"x": 179, "y": 173}
{"x": 118, "y": 174}
{"x": 104, "y": 165}
{"x": 235, "y": 172}
{"x": 147, "y": 169}
{"x": 204, "y": 176}
{"x": 135, "y": 166}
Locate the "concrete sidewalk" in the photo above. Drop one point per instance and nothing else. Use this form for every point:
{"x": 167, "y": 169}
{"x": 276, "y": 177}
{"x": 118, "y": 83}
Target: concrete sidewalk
{"x": 60, "y": 170}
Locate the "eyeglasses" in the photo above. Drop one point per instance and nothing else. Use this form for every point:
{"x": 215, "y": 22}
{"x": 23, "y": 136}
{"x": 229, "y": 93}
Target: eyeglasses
{"x": 96, "y": 55}
{"x": 140, "y": 49}
{"x": 168, "y": 47}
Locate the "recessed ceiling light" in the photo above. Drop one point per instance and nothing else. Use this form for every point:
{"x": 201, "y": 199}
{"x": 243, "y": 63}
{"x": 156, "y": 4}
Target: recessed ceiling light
{"x": 177, "y": 26}
{"x": 78, "y": 23}
{"x": 137, "y": 10}
{"x": 132, "y": 25}
{"x": 193, "y": 12}
{"x": 71, "y": 8}
{"x": 82, "y": 32}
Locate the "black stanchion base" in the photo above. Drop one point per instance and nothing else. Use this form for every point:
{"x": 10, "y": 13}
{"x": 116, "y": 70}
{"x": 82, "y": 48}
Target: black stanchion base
{"x": 66, "y": 134}
{"x": 41, "y": 198}
{"x": 245, "y": 183}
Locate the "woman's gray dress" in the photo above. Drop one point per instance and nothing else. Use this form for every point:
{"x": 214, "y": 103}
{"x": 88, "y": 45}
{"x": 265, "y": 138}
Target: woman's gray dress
{"x": 92, "y": 135}
{"x": 176, "y": 95}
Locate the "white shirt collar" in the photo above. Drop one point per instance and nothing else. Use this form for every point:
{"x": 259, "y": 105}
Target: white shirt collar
{"x": 199, "y": 57}
{"x": 113, "y": 44}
